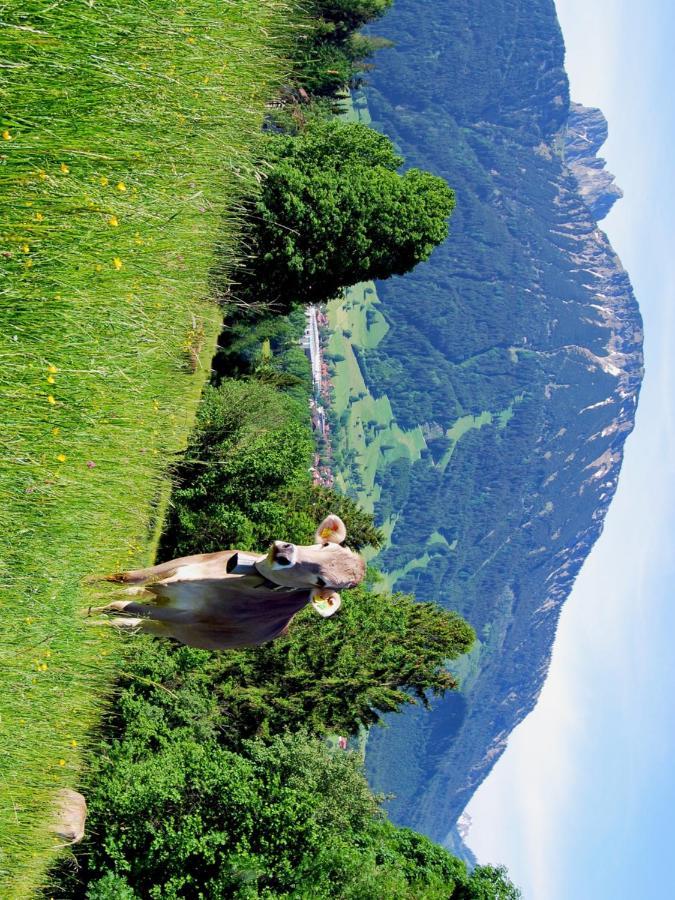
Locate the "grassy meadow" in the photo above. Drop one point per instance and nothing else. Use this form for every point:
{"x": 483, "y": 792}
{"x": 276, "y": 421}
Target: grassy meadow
{"x": 128, "y": 132}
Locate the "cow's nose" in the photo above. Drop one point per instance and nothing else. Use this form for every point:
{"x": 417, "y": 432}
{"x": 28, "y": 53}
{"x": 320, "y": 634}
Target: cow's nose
{"x": 283, "y": 553}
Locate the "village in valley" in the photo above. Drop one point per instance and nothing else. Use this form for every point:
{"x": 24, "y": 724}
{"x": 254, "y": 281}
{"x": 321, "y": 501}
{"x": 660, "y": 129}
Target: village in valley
{"x": 317, "y": 320}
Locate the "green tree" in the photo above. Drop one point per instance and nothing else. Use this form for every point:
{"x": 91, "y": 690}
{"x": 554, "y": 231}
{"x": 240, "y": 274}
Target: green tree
{"x": 331, "y": 54}
{"x": 284, "y": 818}
{"x": 378, "y": 654}
{"x": 334, "y": 211}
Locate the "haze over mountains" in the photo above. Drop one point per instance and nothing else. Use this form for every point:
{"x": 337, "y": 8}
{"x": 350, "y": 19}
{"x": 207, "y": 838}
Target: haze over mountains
{"x": 516, "y": 354}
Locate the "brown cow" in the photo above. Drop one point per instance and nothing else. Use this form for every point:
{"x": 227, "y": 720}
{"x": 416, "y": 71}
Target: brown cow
{"x": 219, "y": 601}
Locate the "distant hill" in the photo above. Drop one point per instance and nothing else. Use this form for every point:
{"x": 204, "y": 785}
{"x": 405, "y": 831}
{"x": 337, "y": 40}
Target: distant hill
{"x": 513, "y": 358}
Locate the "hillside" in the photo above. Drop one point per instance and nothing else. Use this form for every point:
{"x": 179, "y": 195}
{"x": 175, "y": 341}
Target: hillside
{"x": 484, "y": 400}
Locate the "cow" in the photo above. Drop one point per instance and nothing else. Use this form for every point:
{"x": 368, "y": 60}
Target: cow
{"x": 232, "y": 599}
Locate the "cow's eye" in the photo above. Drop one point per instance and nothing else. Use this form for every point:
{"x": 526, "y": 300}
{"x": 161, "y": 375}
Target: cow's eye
{"x": 320, "y": 583}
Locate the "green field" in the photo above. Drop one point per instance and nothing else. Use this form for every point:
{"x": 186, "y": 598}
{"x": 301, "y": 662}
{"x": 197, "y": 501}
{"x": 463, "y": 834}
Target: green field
{"x": 128, "y": 136}
{"x": 349, "y": 328}
{"x": 356, "y": 321}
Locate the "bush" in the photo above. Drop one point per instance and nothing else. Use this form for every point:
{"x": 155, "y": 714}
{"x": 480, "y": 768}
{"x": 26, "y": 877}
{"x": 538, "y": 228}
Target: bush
{"x": 278, "y": 819}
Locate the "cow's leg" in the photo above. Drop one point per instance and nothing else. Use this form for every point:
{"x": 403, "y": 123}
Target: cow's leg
{"x": 118, "y": 606}
{"x": 144, "y": 611}
{"x": 147, "y": 626}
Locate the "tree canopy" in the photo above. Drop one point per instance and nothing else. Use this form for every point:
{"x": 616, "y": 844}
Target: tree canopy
{"x": 334, "y": 210}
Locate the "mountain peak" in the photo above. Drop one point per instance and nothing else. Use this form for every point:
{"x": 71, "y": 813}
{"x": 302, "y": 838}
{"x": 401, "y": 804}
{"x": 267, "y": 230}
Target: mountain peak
{"x": 586, "y": 133}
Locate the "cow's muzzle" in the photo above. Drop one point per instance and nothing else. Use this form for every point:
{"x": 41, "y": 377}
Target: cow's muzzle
{"x": 282, "y": 555}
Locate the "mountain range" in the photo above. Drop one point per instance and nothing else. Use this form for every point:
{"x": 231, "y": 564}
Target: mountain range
{"x": 509, "y": 366}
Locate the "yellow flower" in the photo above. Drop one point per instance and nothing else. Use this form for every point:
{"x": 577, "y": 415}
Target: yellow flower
{"x": 206, "y": 79}
{"x": 51, "y": 379}
{"x": 121, "y": 186}
{"x": 25, "y": 248}
{"x": 103, "y": 180}
{"x": 112, "y": 221}
{"x": 6, "y": 136}
{"x": 28, "y": 264}
{"x": 50, "y": 399}
{"x": 98, "y": 267}
{"x": 42, "y": 175}
{"x": 62, "y": 762}
{"x": 117, "y": 262}
{"x": 39, "y": 217}
{"x": 52, "y": 368}
{"x": 190, "y": 40}
{"x": 55, "y": 431}
{"x": 29, "y": 620}
{"x": 42, "y": 667}
{"x": 64, "y": 168}
{"x": 62, "y": 457}
{"x": 73, "y": 743}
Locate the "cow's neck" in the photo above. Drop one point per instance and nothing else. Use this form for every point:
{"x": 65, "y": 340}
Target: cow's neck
{"x": 247, "y": 564}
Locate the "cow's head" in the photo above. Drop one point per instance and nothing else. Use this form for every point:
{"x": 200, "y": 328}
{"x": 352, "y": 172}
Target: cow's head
{"x": 323, "y": 568}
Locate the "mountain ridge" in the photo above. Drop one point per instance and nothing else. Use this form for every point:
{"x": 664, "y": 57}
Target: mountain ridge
{"x": 524, "y": 327}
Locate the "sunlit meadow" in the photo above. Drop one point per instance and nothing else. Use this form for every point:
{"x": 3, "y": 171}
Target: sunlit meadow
{"x": 128, "y": 132}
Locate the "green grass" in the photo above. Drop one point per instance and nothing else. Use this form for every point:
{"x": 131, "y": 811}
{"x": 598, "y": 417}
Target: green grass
{"x": 373, "y": 449}
{"x": 127, "y": 141}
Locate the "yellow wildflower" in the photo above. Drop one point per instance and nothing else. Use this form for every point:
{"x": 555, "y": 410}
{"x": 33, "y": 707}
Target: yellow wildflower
{"x": 25, "y": 248}
{"x": 56, "y": 431}
{"x": 29, "y": 620}
{"x": 28, "y": 264}
{"x": 121, "y": 186}
{"x": 64, "y": 168}
{"x": 42, "y": 175}
{"x": 50, "y": 399}
{"x": 51, "y": 379}
{"x": 62, "y": 762}
{"x": 39, "y": 217}
{"x": 117, "y": 262}
{"x": 73, "y": 743}
{"x": 190, "y": 40}
{"x": 103, "y": 180}
{"x": 206, "y": 79}
{"x": 52, "y": 368}
{"x": 62, "y": 457}
{"x": 98, "y": 267}
{"x": 42, "y": 667}
{"x": 112, "y": 221}
{"x": 6, "y": 136}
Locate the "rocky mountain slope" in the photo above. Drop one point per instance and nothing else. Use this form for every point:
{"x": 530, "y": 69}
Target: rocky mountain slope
{"x": 516, "y": 352}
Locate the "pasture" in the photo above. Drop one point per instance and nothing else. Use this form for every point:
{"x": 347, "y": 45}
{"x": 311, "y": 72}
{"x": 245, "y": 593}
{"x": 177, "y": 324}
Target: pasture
{"x": 128, "y": 136}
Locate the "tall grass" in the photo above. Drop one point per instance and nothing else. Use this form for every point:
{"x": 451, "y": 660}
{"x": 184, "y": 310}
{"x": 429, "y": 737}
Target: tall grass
{"x": 128, "y": 131}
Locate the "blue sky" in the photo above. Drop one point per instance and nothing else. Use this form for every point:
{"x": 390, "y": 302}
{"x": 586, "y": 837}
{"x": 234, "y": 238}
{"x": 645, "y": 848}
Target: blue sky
{"x": 582, "y": 803}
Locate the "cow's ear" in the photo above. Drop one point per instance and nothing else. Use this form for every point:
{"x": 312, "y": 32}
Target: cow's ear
{"x": 332, "y": 529}
{"x": 326, "y": 602}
